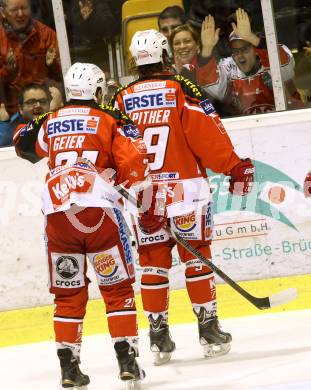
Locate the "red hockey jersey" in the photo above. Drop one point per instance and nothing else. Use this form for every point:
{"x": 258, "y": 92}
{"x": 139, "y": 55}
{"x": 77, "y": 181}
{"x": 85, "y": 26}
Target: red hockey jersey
{"x": 182, "y": 132}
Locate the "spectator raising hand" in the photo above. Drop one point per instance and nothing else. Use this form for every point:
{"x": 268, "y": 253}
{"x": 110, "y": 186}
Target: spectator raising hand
{"x": 11, "y": 61}
{"x": 28, "y": 52}
{"x": 51, "y": 54}
{"x": 243, "y": 28}
{"x": 4, "y": 116}
{"x": 57, "y": 99}
{"x": 209, "y": 36}
{"x": 86, "y": 8}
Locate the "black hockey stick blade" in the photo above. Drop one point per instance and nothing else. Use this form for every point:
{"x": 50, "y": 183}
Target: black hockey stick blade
{"x": 277, "y": 299}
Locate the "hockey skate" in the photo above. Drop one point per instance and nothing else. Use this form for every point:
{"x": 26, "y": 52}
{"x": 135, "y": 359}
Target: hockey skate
{"x": 72, "y": 377}
{"x": 161, "y": 343}
{"x": 214, "y": 341}
{"x": 130, "y": 371}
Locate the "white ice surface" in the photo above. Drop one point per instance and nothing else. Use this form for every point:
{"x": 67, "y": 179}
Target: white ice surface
{"x": 269, "y": 352}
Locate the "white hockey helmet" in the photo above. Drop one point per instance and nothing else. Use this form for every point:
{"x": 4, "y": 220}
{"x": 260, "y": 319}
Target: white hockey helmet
{"x": 82, "y": 80}
{"x": 147, "y": 47}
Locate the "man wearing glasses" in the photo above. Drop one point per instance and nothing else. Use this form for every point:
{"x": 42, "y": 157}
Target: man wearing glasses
{"x": 28, "y": 52}
{"x": 34, "y": 100}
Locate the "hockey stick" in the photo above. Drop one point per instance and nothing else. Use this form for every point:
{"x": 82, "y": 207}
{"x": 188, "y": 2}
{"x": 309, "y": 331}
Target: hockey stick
{"x": 273, "y": 300}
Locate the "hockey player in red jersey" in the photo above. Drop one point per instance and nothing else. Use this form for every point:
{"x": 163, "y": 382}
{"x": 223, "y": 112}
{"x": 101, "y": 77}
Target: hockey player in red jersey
{"x": 83, "y": 217}
{"x": 184, "y": 136}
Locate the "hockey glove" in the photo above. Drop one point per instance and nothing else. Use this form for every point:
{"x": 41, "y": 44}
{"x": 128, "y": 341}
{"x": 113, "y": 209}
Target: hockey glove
{"x": 153, "y": 215}
{"x": 242, "y": 177}
{"x": 307, "y": 185}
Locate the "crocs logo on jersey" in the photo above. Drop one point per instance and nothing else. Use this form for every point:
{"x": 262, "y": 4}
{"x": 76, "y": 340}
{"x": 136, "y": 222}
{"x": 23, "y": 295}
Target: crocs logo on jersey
{"x": 105, "y": 265}
{"x": 67, "y": 267}
{"x": 150, "y": 100}
{"x": 185, "y": 223}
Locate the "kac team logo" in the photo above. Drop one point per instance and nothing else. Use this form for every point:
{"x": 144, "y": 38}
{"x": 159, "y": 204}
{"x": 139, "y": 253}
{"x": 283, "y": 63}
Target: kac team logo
{"x": 105, "y": 265}
{"x": 186, "y": 223}
{"x": 131, "y": 131}
{"x": 67, "y": 267}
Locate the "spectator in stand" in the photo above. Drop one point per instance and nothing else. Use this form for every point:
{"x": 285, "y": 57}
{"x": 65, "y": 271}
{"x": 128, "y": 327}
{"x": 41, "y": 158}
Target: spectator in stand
{"x": 90, "y": 24}
{"x": 303, "y": 62}
{"x": 90, "y": 21}
{"x": 28, "y": 52}
{"x": 223, "y": 12}
{"x": 42, "y": 10}
{"x": 170, "y": 18}
{"x": 34, "y": 100}
{"x": 243, "y": 81}
{"x": 191, "y": 56}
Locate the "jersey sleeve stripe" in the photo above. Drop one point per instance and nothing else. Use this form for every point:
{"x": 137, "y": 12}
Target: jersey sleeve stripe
{"x": 194, "y": 108}
{"x": 43, "y": 145}
{"x": 16, "y": 135}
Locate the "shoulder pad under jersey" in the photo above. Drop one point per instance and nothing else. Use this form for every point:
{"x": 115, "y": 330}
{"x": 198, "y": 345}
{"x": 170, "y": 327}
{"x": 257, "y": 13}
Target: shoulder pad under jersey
{"x": 114, "y": 96}
{"x": 41, "y": 119}
{"x": 32, "y": 128}
{"x": 117, "y": 114}
{"x": 190, "y": 88}
{"x": 26, "y": 143}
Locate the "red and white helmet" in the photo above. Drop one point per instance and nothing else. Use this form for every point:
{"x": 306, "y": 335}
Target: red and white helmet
{"x": 82, "y": 80}
{"x": 147, "y": 47}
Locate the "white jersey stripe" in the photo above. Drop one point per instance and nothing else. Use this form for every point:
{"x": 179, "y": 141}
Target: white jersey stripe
{"x": 42, "y": 143}
{"x": 61, "y": 319}
{"x": 202, "y": 277}
{"x": 154, "y": 286}
{"x": 122, "y": 313}
{"x": 194, "y": 108}
{"x": 18, "y": 133}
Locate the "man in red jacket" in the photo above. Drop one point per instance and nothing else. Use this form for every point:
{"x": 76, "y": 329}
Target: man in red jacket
{"x": 28, "y": 52}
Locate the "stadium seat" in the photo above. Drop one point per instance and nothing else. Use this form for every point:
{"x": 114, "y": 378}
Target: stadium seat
{"x": 141, "y": 15}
